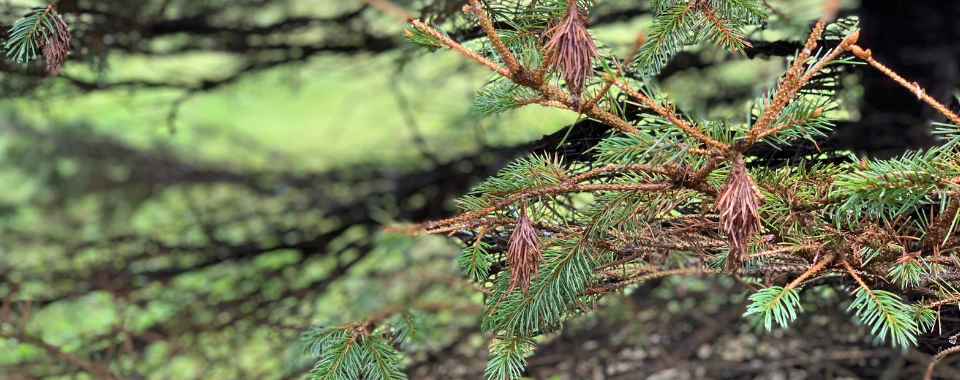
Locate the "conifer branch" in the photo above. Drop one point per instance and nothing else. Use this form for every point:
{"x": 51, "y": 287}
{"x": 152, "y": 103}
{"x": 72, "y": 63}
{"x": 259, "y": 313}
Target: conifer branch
{"x": 477, "y": 10}
{"x": 788, "y": 89}
{"x": 928, "y": 375}
{"x": 523, "y": 77}
{"x": 568, "y": 185}
{"x": 446, "y": 40}
{"x": 546, "y": 190}
{"x": 913, "y": 87}
{"x": 942, "y": 301}
{"x": 508, "y": 357}
{"x": 642, "y": 216}
{"x": 775, "y": 303}
{"x": 671, "y": 116}
{"x": 40, "y": 32}
{"x": 884, "y": 312}
{"x": 724, "y": 35}
{"x": 827, "y": 259}
{"x": 791, "y": 123}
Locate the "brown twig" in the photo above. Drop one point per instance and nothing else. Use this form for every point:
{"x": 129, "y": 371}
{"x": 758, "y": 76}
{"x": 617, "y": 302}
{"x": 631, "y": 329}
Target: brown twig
{"x": 612, "y": 287}
{"x": 670, "y": 116}
{"x": 936, "y": 358}
{"x": 782, "y": 250}
{"x": 941, "y": 302}
{"x": 456, "y": 46}
{"x": 814, "y": 269}
{"x": 913, "y": 87}
{"x": 546, "y": 190}
{"x": 512, "y": 64}
{"x": 853, "y": 273}
{"x": 788, "y": 89}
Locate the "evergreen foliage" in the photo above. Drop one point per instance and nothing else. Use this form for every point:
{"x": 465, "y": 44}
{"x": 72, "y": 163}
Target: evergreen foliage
{"x": 679, "y": 23}
{"x": 775, "y": 303}
{"x": 667, "y": 194}
{"x": 885, "y": 313}
{"x": 40, "y": 32}
{"x": 360, "y": 350}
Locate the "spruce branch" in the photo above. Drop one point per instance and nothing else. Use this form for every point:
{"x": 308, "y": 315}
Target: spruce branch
{"x": 568, "y": 185}
{"x": 477, "y": 10}
{"x": 450, "y": 43}
{"x": 41, "y": 32}
{"x": 928, "y": 375}
{"x": 788, "y": 89}
{"x": 646, "y": 211}
{"x": 508, "y": 357}
{"x": 680, "y": 23}
{"x": 724, "y": 34}
{"x": 560, "y": 281}
{"x": 913, "y": 87}
{"x": 775, "y": 303}
{"x": 884, "y": 312}
{"x": 522, "y": 76}
{"x": 672, "y": 30}
{"x": 670, "y": 115}
{"x": 385, "y": 361}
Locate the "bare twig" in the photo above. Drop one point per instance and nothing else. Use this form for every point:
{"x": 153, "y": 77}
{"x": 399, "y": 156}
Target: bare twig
{"x": 912, "y": 87}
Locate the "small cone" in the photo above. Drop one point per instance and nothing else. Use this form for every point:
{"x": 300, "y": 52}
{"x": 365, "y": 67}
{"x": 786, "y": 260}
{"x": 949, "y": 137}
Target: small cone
{"x": 739, "y": 216}
{"x": 55, "y": 45}
{"x": 574, "y": 50}
{"x": 523, "y": 254}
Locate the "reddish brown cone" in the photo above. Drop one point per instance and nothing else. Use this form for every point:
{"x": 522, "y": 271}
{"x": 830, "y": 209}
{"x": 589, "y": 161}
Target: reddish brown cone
{"x": 738, "y": 208}
{"x": 55, "y": 45}
{"x": 523, "y": 254}
{"x": 573, "y": 49}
